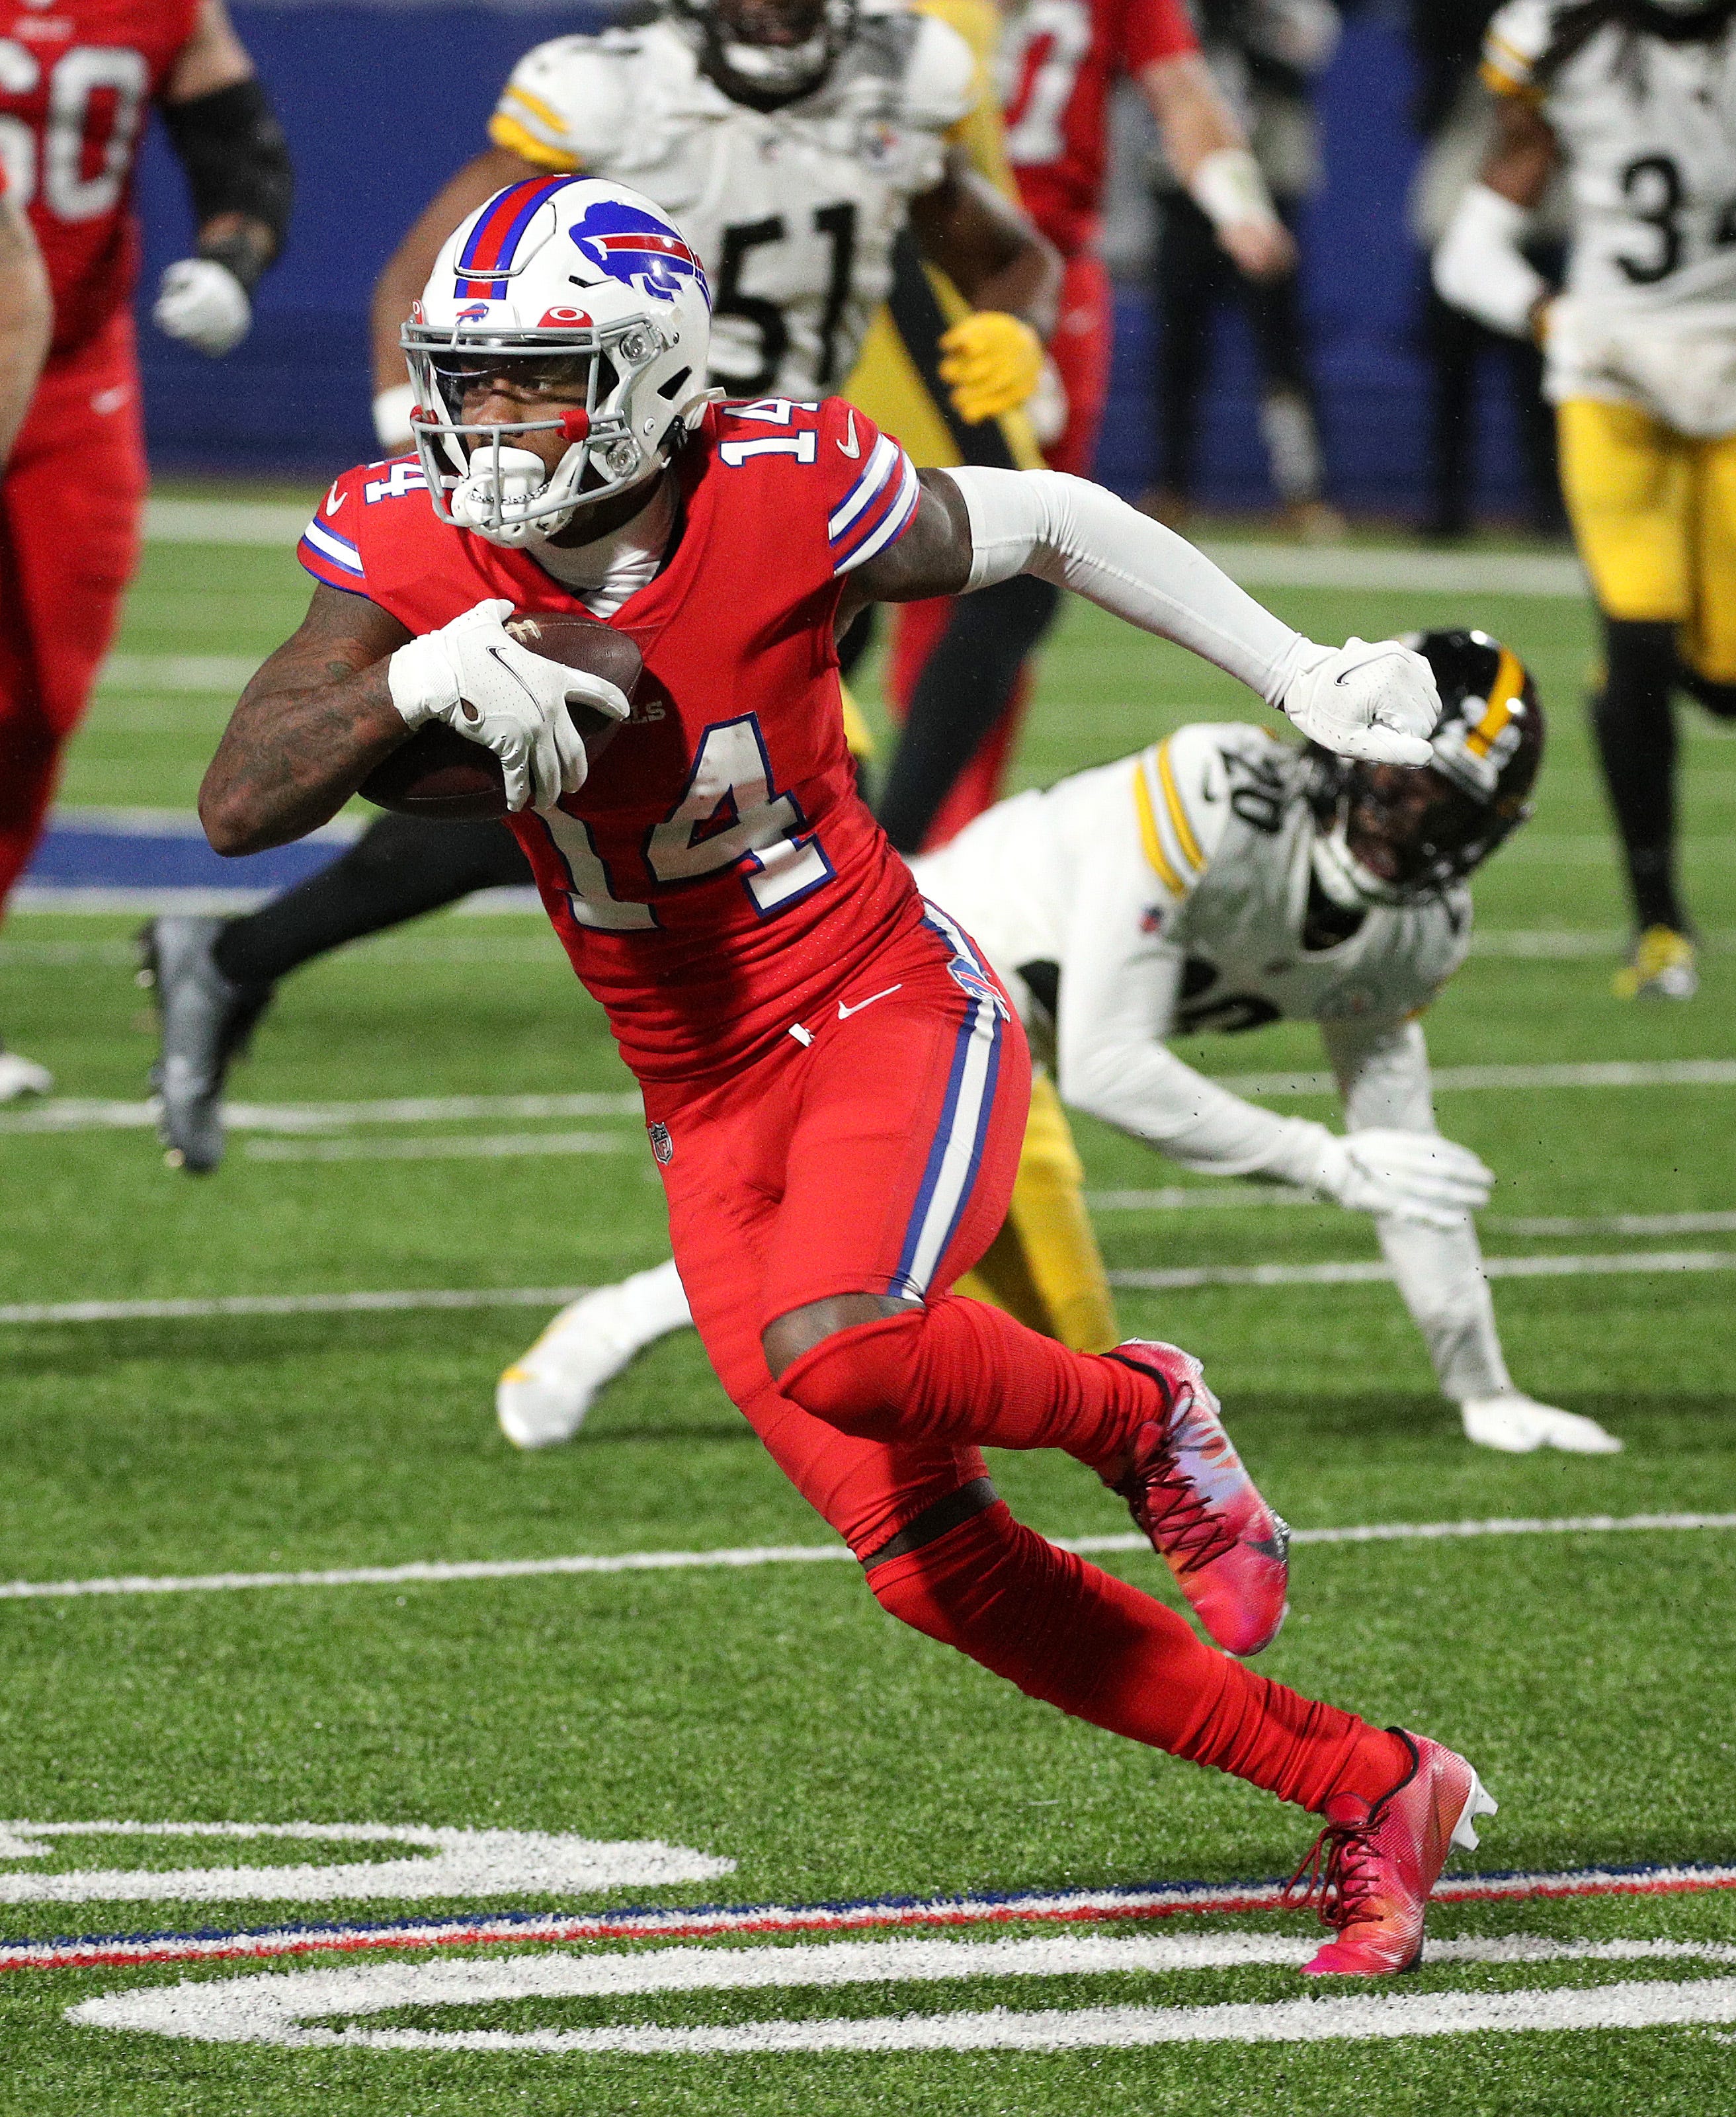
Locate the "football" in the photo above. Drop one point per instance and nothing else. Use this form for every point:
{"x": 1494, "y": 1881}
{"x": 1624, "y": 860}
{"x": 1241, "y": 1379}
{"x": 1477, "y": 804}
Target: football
{"x": 439, "y": 772}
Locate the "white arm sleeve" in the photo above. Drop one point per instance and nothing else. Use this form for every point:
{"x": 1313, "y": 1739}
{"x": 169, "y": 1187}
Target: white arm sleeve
{"x": 1119, "y": 985}
{"x": 1383, "y": 1070}
{"x": 1072, "y": 532}
{"x": 1479, "y": 266}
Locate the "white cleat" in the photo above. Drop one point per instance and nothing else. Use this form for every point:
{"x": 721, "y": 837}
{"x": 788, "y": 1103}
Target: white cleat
{"x": 542, "y": 1398}
{"x": 1518, "y": 1424}
{"x": 20, "y": 1077}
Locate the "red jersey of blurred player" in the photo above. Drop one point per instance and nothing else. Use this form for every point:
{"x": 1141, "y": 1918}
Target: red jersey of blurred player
{"x": 1063, "y": 58}
{"x": 75, "y": 88}
{"x": 726, "y": 809}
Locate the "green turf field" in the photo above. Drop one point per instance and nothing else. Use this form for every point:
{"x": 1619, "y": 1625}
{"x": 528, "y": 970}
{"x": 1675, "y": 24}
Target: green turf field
{"x": 773, "y": 1718}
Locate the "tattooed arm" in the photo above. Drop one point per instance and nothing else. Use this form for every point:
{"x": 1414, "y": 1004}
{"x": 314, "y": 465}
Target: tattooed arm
{"x": 309, "y": 727}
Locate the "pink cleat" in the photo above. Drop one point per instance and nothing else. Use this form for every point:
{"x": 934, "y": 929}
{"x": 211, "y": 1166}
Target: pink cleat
{"x": 1371, "y": 1869}
{"x": 1188, "y": 1492}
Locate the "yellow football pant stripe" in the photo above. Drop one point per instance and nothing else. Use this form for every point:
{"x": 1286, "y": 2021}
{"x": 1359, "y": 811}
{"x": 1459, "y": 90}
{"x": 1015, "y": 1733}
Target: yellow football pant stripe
{"x": 507, "y": 132}
{"x": 1654, "y": 515}
{"x": 1045, "y": 1267}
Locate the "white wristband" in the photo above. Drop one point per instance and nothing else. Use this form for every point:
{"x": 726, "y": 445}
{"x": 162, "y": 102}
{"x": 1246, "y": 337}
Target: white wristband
{"x": 1228, "y": 187}
{"x": 392, "y": 410}
{"x": 1479, "y": 266}
{"x": 421, "y": 680}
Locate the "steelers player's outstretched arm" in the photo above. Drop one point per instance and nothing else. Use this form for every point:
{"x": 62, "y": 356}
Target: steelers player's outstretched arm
{"x": 313, "y": 723}
{"x": 973, "y": 527}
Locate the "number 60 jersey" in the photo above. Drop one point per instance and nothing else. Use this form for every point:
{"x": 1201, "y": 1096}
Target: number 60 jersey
{"x": 717, "y": 877}
{"x": 792, "y": 211}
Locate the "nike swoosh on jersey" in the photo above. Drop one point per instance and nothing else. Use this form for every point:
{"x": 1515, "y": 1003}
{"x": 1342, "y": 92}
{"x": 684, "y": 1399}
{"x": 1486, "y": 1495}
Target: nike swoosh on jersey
{"x": 853, "y": 447}
{"x": 845, "y": 1013}
{"x": 334, "y": 499}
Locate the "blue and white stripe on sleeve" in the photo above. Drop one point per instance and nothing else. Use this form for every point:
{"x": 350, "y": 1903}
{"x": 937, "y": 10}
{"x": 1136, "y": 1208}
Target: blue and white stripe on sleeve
{"x": 876, "y": 510}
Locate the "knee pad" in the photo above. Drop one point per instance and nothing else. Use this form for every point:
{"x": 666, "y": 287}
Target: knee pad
{"x": 859, "y": 1380}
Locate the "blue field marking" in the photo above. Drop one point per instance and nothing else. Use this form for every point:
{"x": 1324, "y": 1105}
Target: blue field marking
{"x": 162, "y": 854}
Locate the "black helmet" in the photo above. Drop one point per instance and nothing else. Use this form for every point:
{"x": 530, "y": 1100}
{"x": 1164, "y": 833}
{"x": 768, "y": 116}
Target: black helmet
{"x": 1391, "y": 833}
{"x": 767, "y": 53}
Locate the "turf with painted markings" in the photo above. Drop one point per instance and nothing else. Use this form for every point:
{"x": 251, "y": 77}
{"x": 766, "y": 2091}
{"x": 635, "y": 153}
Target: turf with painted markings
{"x": 777, "y": 1717}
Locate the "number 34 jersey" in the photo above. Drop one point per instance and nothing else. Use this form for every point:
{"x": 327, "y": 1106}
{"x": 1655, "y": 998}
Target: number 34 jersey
{"x": 1647, "y": 129}
{"x": 76, "y": 87}
{"x": 792, "y": 211}
{"x": 717, "y": 877}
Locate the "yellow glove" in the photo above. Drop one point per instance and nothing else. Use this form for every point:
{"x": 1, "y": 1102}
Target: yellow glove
{"x": 991, "y": 362}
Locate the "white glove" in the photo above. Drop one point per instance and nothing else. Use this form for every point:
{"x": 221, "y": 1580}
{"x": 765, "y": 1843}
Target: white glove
{"x": 392, "y": 410}
{"x": 1412, "y": 1175}
{"x": 474, "y": 676}
{"x": 1517, "y": 1424}
{"x": 1375, "y": 700}
{"x": 202, "y": 303}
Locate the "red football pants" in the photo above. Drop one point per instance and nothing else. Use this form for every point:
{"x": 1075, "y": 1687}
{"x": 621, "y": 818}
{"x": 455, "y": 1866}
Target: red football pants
{"x": 1081, "y": 347}
{"x": 70, "y": 504}
{"x": 877, "y": 1156}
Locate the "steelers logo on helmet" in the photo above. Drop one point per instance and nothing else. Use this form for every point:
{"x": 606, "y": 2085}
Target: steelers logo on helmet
{"x": 1393, "y": 833}
{"x": 563, "y": 307}
{"x": 767, "y": 53}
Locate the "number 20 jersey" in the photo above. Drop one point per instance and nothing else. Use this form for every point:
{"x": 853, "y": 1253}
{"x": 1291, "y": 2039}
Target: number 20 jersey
{"x": 793, "y": 211}
{"x": 718, "y": 876}
{"x": 76, "y": 83}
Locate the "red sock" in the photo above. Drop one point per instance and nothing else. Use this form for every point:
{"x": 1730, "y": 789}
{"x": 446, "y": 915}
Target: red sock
{"x": 1078, "y": 1638}
{"x": 960, "y": 1372}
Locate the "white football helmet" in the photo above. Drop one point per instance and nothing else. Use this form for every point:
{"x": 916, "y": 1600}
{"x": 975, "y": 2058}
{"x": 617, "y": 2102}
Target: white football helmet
{"x": 583, "y": 288}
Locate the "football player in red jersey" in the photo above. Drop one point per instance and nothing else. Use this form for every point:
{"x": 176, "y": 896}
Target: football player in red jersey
{"x": 961, "y": 687}
{"x": 834, "y": 1082}
{"x": 76, "y": 87}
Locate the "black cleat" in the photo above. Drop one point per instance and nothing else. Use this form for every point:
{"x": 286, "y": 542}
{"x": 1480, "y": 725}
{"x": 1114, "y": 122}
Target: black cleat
{"x": 206, "y": 1023}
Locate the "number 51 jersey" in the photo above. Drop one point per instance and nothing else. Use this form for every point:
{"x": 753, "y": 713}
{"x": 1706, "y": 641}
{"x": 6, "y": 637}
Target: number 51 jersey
{"x": 718, "y": 876}
{"x": 792, "y": 211}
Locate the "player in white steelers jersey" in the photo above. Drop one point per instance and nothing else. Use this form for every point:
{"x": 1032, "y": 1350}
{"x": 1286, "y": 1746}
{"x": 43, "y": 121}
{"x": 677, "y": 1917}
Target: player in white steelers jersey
{"x": 1220, "y": 880}
{"x": 1636, "y": 101}
{"x": 791, "y": 140}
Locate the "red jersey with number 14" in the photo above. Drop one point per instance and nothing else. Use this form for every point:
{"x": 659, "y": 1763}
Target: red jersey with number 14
{"x": 76, "y": 83}
{"x": 1062, "y": 57}
{"x": 718, "y": 876}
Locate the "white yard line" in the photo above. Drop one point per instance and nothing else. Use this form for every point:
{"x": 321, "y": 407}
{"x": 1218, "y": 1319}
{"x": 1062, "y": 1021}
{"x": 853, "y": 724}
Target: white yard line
{"x": 1357, "y": 1271}
{"x": 1367, "y": 1271}
{"x": 70, "y": 1114}
{"x": 269, "y": 524}
{"x": 434, "y": 1572}
{"x": 287, "y": 1304}
{"x": 1448, "y": 1080}
{"x": 225, "y": 673}
{"x": 449, "y": 1146}
{"x": 1400, "y": 569}
{"x": 75, "y": 1114}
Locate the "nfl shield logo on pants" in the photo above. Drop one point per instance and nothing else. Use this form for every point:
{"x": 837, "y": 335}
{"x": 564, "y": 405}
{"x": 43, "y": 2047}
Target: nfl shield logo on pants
{"x": 662, "y": 1145}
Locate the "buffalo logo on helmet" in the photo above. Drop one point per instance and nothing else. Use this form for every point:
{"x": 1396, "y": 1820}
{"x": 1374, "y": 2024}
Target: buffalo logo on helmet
{"x": 627, "y": 243}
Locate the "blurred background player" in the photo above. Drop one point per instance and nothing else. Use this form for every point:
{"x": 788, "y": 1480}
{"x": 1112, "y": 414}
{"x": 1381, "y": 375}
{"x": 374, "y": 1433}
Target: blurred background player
{"x": 799, "y": 140}
{"x": 1218, "y": 881}
{"x": 954, "y": 679}
{"x": 74, "y": 101}
{"x": 1264, "y": 56}
{"x": 26, "y": 318}
{"x": 1636, "y": 100}
{"x": 1455, "y": 116}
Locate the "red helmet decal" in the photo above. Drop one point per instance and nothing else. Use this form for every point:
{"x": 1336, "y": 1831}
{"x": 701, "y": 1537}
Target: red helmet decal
{"x": 566, "y": 316}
